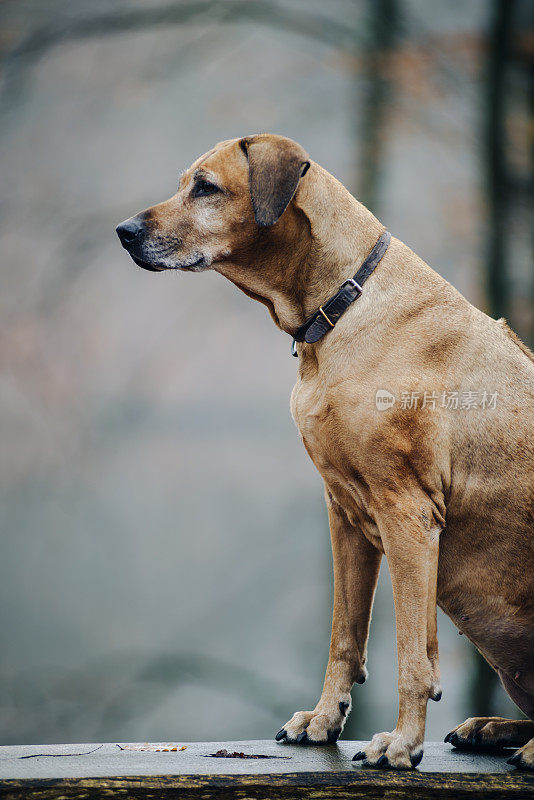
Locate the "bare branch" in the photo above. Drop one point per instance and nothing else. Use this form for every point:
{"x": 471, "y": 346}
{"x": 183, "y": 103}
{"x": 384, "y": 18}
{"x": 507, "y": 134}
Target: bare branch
{"x": 41, "y": 40}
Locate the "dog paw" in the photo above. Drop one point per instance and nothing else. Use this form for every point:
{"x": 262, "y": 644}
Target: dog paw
{"x": 390, "y": 751}
{"x": 524, "y": 757}
{"x": 480, "y": 732}
{"x": 315, "y": 727}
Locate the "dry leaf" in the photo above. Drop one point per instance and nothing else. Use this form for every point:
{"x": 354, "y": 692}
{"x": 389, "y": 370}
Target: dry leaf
{"x": 153, "y": 748}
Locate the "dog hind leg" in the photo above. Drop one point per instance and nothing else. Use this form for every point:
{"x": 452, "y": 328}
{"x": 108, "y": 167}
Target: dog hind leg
{"x": 490, "y": 732}
{"x": 496, "y": 732}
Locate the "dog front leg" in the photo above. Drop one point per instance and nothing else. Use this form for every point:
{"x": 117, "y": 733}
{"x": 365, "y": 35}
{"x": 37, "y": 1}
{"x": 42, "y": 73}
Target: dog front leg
{"x": 356, "y": 565}
{"x": 411, "y": 546}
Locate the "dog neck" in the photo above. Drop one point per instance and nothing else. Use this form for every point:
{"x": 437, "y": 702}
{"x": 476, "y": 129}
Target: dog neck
{"x": 321, "y": 240}
{"x": 343, "y": 233}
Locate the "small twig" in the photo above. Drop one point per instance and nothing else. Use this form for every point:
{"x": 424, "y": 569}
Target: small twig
{"x": 62, "y": 755}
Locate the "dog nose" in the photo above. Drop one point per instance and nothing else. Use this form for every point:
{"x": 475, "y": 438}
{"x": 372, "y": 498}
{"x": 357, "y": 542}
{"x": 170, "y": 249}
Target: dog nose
{"x": 129, "y": 231}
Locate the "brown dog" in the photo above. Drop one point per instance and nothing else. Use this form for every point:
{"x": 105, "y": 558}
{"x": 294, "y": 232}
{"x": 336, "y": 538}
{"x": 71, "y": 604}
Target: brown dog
{"x": 417, "y": 410}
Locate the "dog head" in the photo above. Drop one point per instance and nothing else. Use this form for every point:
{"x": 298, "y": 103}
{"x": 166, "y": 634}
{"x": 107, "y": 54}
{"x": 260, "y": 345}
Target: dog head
{"x": 227, "y": 205}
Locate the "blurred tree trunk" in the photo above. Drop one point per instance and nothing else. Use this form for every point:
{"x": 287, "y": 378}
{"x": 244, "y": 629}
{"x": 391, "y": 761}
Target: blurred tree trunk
{"x": 481, "y": 687}
{"x": 496, "y": 168}
{"x": 382, "y": 22}
{"x": 530, "y": 78}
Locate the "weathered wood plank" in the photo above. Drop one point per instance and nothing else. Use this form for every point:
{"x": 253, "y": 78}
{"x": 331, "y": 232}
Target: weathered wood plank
{"x": 51, "y": 772}
{"x": 312, "y": 785}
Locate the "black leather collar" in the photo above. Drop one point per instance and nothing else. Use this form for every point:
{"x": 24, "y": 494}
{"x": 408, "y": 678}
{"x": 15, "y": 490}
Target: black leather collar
{"x": 324, "y": 319}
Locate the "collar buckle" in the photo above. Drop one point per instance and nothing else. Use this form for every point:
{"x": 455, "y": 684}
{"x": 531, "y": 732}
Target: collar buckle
{"x": 353, "y": 283}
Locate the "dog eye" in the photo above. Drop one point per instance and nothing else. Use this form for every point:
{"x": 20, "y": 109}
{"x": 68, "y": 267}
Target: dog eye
{"x": 203, "y": 187}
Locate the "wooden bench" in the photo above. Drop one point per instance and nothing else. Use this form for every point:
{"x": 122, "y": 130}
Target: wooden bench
{"x": 40, "y": 772}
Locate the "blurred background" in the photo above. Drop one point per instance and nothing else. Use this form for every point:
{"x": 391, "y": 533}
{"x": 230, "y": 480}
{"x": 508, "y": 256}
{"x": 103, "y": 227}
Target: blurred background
{"x": 165, "y": 568}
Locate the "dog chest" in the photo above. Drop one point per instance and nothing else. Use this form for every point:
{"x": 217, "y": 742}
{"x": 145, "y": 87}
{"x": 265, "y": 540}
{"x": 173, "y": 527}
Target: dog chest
{"x": 314, "y": 417}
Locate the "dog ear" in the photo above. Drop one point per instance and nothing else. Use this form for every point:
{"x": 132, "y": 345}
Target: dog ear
{"x": 275, "y": 166}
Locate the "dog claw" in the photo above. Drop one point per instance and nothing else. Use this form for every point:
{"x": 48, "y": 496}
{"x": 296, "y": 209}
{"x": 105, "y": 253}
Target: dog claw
{"x": 384, "y": 763}
{"x": 302, "y": 738}
{"x": 333, "y": 736}
{"x": 437, "y": 697}
{"x": 515, "y": 760}
{"x": 452, "y": 738}
{"x": 415, "y": 759}
{"x": 282, "y": 734}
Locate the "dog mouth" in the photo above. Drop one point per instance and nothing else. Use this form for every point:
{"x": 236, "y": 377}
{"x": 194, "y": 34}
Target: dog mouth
{"x": 193, "y": 266}
{"x": 146, "y": 264}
